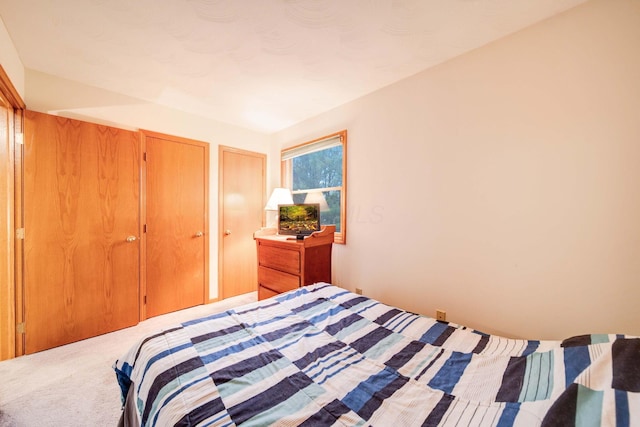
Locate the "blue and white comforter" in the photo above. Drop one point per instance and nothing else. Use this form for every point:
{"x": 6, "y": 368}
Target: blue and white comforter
{"x": 321, "y": 356}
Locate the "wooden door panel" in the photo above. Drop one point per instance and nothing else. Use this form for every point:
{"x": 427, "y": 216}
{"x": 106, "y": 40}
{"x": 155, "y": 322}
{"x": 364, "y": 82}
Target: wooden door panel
{"x": 176, "y": 209}
{"x": 7, "y": 294}
{"x": 242, "y": 184}
{"x": 81, "y": 202}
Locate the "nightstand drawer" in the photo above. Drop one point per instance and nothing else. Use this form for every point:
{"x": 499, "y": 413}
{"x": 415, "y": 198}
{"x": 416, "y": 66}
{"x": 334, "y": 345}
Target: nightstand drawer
{"x": 285, "y": 264}
{"x": 277, "y": 280}
{"x": 281, "y": 259}
{"x": 264, "y": 293}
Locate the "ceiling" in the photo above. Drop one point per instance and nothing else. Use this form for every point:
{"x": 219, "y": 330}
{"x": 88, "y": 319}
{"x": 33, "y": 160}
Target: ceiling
{"x": 259, "y": 64}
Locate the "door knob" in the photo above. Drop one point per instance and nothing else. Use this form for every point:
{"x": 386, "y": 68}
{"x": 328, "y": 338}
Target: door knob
{"x": 131, "y": 239}
{"x": 199, "y": 234}
{"x": 227, "y": 232}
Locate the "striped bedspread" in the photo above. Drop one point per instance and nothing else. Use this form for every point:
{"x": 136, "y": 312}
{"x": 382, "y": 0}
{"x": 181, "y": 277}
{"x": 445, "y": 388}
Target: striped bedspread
{"x": 321, "y": 356}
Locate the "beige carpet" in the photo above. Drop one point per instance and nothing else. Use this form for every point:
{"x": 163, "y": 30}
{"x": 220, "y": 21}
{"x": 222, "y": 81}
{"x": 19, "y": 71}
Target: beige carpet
{"x": 75, "y": 385}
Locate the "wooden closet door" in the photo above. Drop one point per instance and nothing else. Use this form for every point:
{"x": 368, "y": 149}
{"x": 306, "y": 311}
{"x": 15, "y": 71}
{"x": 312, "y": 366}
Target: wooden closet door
{"x": 242, "y": 189}
{"x": 81, "y": 202}
{"x": 177, "y": 225}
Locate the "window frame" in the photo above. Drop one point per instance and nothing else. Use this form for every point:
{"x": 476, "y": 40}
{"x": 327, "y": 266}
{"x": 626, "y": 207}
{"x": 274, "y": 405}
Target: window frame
{"x": 287, "y": 177}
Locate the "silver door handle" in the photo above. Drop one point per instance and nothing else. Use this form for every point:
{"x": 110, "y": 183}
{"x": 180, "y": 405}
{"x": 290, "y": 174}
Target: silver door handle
{"x": 227, "y": 232}
{"x": 131, "y": 239}
{"x": 199, "y": 234}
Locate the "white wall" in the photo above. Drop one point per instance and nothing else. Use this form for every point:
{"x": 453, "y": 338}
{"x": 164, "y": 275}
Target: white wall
{"x": 10, "y": 60}
{"x": 503, "y": 186}
{"x": 49, "y": 94}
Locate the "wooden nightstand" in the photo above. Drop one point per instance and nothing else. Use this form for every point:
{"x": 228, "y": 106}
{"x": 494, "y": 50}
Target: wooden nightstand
{"x": 285, "y": 263}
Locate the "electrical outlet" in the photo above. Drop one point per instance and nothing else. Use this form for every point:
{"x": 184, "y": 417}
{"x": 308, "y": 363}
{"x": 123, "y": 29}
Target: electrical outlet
{"x": 359, "y": 291}
{"x": 441, "y": 315}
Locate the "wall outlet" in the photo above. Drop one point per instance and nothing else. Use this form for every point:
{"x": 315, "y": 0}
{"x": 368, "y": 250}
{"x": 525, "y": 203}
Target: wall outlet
{"x": 441, "y": 315}
{"x": 359, "y": 291}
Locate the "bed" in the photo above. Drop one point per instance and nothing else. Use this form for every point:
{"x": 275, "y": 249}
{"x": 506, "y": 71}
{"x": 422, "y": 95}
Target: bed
{"x": 321, "y": 355}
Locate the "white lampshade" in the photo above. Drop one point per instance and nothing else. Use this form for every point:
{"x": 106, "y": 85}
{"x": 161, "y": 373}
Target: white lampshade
{"x": 317, "y": 197}
{"x": 280, "y": 196}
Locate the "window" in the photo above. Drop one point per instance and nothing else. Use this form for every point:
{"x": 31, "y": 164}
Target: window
{"x": 316, "y": 172}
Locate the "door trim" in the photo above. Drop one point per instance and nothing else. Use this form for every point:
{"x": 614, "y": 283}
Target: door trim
{"x": 144, "y": 134}
{"x": 11, "y": 286}
{"x": 221, "y": 150}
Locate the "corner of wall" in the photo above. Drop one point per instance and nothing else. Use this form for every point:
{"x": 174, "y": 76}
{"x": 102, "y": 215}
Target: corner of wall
{"x": 10, "y": 60}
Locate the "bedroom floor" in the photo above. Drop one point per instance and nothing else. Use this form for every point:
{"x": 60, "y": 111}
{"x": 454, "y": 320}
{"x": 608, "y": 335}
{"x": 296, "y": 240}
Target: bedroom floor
{"x": 75, "y": 385}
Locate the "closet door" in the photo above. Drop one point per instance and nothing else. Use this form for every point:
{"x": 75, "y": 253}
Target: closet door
{"x": 81, "y": 207}
{"x": 242, "y": 188}
{"x": 176, "y": 223}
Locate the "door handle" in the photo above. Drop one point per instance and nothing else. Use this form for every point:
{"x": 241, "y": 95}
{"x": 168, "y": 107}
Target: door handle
{"x": 131, "y": 239}
{"x": 227, "y": 232}
{"x": 199, "y": 234}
